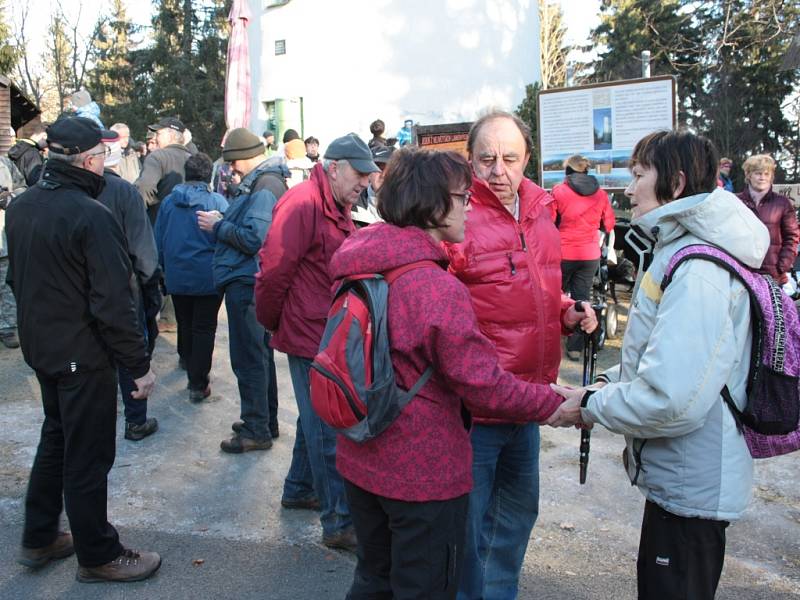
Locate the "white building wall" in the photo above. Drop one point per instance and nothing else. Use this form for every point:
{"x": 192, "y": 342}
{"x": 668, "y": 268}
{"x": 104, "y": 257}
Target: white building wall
{"x": 352, "y": 61}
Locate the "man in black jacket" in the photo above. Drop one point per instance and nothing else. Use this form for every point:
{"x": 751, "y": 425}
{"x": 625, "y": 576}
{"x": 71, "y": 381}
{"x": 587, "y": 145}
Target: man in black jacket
{"x": 125, "y": 203}
{"x": 26, "y": 154}
{"x": 71, "y": 275}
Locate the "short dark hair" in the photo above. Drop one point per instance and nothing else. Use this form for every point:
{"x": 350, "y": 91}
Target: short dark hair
{"x": 523, "y": 127}
{"x": 289, "y": 135}
{"x": 311, "y": 140}
{"x": 669, "y": 153}
{"x": 198, "y": 167}
{"x": 377, "y": 127}
{"x": 417, "y": 185}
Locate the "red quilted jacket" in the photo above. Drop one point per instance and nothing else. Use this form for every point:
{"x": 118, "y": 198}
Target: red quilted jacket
{"x": 293, "y": 287}
{"x": 513, "y": 273}
{"x": 581, "y": 217}
{"x": 426, "y": 453}
{"x": 778, "y": 214}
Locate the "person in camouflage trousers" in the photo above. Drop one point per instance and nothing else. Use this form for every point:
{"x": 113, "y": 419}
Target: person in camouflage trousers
{"x": 12, "y": 183}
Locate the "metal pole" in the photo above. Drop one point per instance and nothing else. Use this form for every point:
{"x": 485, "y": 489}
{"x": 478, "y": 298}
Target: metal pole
{"x": 645, "y": 64}
{"x": 570, "y": 75}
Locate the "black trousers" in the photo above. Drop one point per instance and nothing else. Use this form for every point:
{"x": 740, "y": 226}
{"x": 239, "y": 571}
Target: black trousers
{"x": 406, "y": 549}
{"x": 76, "y": 452}
{"x": 680, "y": 558}
{"x": 576, "y": 279}
{"x": 197, "y": 328}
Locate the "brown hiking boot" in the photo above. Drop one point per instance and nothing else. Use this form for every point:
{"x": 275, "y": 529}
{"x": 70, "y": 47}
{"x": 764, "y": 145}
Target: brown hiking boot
{"x": 310, "y": 503}
{"x": 128, "y": 566}
{"x": 344, "y": 540}
{"x": 274, "y": 433}
{"x": 238, "y": 444}
{"x": 36, "y": 558}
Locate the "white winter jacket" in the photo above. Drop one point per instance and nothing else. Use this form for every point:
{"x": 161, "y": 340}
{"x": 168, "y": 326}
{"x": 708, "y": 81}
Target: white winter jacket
{"x": 681, "y": 347}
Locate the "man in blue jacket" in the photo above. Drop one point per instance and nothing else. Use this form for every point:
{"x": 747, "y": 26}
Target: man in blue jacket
{"x": 239, "y": 237}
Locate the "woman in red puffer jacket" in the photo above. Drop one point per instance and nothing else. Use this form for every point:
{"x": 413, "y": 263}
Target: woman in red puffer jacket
{"x": 408, "y": 487}
{"x": 583, "y": 209}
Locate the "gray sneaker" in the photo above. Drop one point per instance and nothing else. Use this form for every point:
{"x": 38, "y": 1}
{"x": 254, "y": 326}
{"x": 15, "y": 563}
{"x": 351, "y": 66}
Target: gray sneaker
{"x": 128, "y": 566}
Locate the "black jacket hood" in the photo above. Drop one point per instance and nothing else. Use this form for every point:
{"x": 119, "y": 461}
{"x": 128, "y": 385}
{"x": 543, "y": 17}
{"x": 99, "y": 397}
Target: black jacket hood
{"x": 582, "y": 183}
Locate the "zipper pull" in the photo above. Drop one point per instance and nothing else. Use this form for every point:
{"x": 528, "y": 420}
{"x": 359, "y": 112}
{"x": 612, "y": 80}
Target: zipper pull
{"x": 511, "y": 262}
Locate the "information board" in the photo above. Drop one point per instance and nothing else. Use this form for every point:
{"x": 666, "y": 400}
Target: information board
{"x": 602, "y": 122}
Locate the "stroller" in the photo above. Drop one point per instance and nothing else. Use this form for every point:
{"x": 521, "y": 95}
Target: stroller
{"x": 613, "y": 270}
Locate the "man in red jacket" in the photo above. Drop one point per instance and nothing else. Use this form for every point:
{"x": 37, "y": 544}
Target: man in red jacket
{"x": 510, "y": 260}
{"x": 293, "y": 295}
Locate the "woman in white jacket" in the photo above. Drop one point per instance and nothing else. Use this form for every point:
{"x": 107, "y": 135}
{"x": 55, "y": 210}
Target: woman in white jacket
{"x": 681, "y": 346}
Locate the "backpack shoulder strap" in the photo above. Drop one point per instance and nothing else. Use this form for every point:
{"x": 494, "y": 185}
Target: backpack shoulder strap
{"x": 709, "y": 253}
{"x": 393, "y": 274}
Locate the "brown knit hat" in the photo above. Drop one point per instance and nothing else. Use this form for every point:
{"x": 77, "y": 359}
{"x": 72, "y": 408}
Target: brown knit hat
{"x": 241, "y": 144}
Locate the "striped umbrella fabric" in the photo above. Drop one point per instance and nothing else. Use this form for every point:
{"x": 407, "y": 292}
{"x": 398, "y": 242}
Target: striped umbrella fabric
{"x": 237, "y": 74}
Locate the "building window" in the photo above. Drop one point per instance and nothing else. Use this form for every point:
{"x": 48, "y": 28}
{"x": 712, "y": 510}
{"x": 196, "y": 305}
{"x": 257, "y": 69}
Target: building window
{"x": 280, "y": 47}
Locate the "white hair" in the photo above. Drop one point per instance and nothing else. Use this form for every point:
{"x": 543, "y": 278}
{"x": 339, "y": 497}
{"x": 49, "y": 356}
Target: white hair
{"x": 326, "y": 163}
{"x": 75, "y": 159}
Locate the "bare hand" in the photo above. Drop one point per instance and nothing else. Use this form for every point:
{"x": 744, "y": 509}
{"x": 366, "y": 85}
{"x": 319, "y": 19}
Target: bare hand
{"x": 207, "y": 219}
{"x": 586, "y": 319}
{"x": 569, "y": 413}
{"x": 144, "y": 385}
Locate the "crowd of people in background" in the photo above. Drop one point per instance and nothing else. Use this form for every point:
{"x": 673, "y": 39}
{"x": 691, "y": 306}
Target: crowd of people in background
{"x": 129, "y": 240}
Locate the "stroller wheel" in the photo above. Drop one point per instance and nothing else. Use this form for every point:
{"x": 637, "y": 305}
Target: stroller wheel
{"x": 611, "y": 321}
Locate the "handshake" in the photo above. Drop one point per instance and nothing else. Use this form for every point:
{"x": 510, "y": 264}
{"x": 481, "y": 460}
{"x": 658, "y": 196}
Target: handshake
{"x": 569, "y": 412}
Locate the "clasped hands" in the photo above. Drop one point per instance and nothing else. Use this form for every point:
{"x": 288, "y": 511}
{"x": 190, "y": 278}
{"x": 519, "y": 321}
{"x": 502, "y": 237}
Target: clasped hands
{"x": 569, "y": 413}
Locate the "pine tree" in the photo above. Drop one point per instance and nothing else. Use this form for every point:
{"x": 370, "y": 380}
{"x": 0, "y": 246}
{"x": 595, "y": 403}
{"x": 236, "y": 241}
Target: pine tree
{"x": 528, "y": 111}
{"x": 725, "y": 55}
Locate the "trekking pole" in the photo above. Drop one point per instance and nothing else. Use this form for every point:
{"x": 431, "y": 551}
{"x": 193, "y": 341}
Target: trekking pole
{"x": 589, "y": 366}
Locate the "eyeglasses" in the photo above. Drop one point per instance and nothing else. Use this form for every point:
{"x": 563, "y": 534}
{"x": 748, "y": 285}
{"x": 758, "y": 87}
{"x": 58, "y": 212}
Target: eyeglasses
{"x": 464, "y": 198}
{"x": 106, "y": 152}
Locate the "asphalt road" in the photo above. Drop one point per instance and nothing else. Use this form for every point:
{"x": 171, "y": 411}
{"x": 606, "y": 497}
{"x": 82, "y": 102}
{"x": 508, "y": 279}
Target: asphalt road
{"x": 217, "y": 521}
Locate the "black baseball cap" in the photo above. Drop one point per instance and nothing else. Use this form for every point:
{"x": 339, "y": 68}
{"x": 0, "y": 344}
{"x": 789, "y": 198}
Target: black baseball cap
{"x": 168, "y": 122}
{"x": 354, "y": 150}
{"x": 74, "y": 135}
{"x": 382, "y": 154}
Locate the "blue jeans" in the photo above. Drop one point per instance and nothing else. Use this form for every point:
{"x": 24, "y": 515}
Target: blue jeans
{"x": 503, "y": 507}
{"x": 251, "y": 360}
{"x": 313, "y": 467}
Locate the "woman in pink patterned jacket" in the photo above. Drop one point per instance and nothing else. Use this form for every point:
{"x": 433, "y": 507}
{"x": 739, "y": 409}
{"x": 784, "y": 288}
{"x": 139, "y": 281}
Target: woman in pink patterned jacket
{"x": 408, "y": 488}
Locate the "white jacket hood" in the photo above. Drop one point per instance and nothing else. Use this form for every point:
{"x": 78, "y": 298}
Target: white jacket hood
{"x": 718, "y": 218}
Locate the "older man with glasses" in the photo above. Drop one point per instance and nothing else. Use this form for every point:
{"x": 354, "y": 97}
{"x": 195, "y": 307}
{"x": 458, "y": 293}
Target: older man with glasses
{"x": 510, "y": 260}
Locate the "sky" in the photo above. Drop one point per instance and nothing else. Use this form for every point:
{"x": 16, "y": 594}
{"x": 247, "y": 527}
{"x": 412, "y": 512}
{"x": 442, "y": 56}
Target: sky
{"x": 580, "y": 16}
